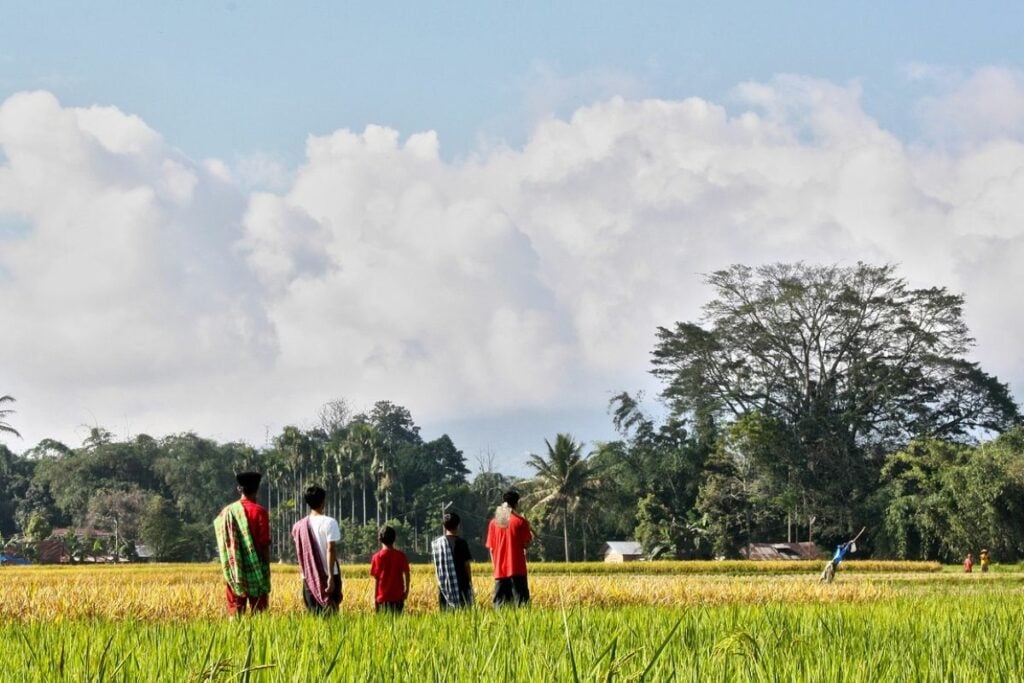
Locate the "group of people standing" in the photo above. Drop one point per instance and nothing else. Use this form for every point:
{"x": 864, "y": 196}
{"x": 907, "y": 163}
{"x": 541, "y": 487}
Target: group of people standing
{"x": 982, "y": 561}
{"x": 243, "y": 542}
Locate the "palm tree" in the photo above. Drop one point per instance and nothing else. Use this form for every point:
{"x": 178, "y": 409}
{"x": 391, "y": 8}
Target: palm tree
{"x": 363, "y": 446}
{"x": 98, "y": 436}
{"x": 4, "y": 426}
{"x": 379, "y": 467}
{"x": 275, "y": 470}
{"x": 296, "y": 446}
{"x": 564, "y": 482}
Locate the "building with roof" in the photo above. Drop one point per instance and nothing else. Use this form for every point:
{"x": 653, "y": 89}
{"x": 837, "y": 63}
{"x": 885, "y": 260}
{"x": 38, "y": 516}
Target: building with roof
{"x": 622, "y": 551}
{"x": 782, "y": 551}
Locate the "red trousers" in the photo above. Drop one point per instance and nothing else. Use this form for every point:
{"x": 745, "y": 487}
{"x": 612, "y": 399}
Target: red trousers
{"x": 237, "y": 603}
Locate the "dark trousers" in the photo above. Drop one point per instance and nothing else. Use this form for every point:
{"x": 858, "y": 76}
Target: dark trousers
{"x": 392, "y": 607}
{"x": 332, "y": 603}
{"x": 512, "y": 590}
{"x": 465, "y": 601}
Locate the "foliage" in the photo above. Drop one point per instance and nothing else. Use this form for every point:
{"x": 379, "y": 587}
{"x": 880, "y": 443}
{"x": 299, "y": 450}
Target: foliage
{"x": 808, "y": 401}
{"x": 742, "y": 496}
{"x": 15, "y": 481}
{"x": 38, "y": 527}
{"x": 373, "y": 462}
{"x": 564, "y": 484}
{"x": 116, "y": 511}
{"x": 650, "y": 480}
{"x": 947, "y": 499}
{"x": 196, "y": 472}
{"x": 161, "y": 530}
{"x": 837, "y": 365}
{"x": 5, "y": 427}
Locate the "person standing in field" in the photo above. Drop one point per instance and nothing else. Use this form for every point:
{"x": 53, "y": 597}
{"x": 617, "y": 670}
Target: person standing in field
{"x": 968, "y": 563}
{"x": 243, "y": 541}
{"x": 316, "y": 539}
{"x": 390, "y": 568}
{"x": 508, "y": 536}
{"x": 983, "y": 560}
{"x": 842, "y": 550}
{"x": 453, "y": 564}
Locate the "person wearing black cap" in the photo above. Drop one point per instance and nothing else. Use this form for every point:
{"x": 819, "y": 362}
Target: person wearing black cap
{"x": 243, "y": 539}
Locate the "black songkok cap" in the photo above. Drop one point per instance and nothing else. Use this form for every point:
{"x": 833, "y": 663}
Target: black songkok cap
{"x": 248, "y": 480}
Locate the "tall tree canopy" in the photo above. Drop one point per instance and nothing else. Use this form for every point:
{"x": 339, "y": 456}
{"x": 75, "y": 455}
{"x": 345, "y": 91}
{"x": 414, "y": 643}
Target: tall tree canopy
{"x": 942, "y": 499}
{"x": 840, "y": 364}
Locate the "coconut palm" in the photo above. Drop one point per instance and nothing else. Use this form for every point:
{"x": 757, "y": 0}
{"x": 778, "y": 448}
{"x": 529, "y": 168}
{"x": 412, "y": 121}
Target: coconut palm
{"x": 564, "y": 483}
{"x": 363, "y": 447}
{"x": 98, "y": 436}
{"x": 4, "y": 426}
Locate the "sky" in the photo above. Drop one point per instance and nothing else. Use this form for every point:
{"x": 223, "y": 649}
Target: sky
{"x": 217, "y": 216}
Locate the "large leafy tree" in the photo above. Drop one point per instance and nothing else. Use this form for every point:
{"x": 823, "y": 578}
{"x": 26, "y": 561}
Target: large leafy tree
{"x": 845, "y": 363}
{"x": 72, "y": 481}
{"x": 565, "y": 481}
{"x": 943, "y": 499}
{"x": 399, "y": 437}
{"x": 198, "y": 473}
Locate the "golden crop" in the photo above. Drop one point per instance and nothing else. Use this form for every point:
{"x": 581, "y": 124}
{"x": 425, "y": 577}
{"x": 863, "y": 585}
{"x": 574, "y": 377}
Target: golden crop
{"x": 191, "y": 591}
{"x": 630, "y": 622}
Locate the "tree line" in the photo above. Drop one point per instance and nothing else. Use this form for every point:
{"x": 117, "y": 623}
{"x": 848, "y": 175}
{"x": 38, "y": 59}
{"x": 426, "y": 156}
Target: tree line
{"x": 807, "y": 401}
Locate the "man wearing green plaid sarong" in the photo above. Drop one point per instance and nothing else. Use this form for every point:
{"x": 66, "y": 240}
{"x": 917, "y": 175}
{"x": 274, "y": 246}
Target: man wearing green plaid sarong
{"x": 243, "y": 539}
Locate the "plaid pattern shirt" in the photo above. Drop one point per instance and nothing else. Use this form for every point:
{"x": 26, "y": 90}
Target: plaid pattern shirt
{"x": 447, "y": 578}
{"x": 244, "y": 571}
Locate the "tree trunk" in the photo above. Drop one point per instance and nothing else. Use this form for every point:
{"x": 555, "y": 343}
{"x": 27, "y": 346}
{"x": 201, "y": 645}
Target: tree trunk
{"x": 565, "y": 532}
{"x": 364, "y": 502}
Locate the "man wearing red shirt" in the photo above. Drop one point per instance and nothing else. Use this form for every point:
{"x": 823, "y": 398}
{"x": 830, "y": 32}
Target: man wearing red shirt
{"x": 390, "y": 567}
{"x": 243, "y": 539}
{"x": 508, "y": 535}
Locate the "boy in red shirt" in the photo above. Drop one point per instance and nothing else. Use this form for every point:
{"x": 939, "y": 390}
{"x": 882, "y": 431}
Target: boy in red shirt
{"x": 390, "y": 568}
{"x": 508, "y": 534}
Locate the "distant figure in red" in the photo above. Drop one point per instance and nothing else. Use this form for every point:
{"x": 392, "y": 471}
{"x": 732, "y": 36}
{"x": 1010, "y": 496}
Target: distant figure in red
{"x": 390, "y": 568}
{"x": 508, "y": 535}
{"x": 243, "y": 539}
{"x": 968, "y": 563}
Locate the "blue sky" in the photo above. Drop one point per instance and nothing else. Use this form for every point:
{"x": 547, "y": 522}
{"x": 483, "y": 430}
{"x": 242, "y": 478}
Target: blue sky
{"x": 216, "y": 216}
{"x": 231, "y": 79}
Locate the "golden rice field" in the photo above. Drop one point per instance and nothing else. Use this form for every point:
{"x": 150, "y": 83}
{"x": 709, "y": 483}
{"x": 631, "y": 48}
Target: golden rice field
{"x": 195, "y": 591}
{"x": 655, "y": 622}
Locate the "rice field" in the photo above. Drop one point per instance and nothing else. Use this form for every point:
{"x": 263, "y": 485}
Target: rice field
{"x": 878, "y": 622}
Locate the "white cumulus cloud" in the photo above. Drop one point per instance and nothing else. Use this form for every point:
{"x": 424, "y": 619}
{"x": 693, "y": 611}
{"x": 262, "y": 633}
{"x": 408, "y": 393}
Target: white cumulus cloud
{"x": 160, "y": 290}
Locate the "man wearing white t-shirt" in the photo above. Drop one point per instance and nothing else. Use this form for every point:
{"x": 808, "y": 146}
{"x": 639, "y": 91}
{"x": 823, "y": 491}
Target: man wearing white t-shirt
{"x": 316, "y": 537}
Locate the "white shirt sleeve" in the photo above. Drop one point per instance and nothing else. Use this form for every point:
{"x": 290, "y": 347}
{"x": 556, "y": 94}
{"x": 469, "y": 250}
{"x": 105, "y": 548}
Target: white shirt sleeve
{"x": 333, "y": 531}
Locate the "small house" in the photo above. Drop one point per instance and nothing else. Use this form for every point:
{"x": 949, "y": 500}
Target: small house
{"x": 623, "y": 551}
{"x": 781, "y": 551}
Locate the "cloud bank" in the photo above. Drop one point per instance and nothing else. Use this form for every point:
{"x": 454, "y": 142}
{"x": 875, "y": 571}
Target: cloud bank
{"x": 148, "y": 291}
